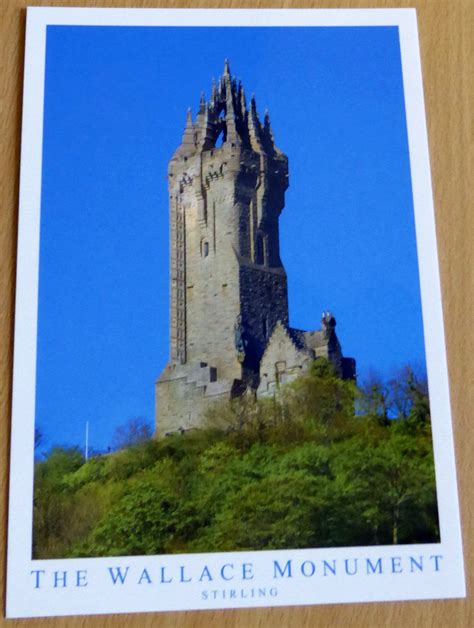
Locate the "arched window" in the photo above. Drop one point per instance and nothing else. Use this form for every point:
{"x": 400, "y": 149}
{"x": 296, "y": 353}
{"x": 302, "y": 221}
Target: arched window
{"x": 204, "y": 248}
{"x": 220, "y": 139}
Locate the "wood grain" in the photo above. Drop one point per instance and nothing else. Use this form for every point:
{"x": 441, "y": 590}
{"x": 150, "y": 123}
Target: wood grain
{"x": 446, "y": 34}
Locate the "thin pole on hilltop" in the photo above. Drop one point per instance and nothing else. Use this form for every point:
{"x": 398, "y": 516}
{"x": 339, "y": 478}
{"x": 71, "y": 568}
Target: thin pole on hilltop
{"x": 87, "y": 442}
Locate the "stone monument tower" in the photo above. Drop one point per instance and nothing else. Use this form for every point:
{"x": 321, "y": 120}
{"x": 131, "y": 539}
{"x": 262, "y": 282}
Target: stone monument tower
{"x": 227, "y": 182}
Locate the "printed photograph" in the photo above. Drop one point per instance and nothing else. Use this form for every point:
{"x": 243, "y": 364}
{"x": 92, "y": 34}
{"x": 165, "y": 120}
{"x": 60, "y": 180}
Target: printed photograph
{"x": 230, "y": 345}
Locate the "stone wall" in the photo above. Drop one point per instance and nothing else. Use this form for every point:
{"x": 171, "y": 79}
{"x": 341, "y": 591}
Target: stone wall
{"x": 264, "y": 302}
{"x": 183, "y": 394}
{"x": 282, "y": 361}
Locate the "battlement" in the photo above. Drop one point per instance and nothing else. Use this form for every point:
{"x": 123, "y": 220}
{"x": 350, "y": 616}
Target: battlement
{"x": 183, "y": 393}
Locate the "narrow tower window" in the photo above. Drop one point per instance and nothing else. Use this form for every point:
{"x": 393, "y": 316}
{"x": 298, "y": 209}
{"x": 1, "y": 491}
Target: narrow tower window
{"x": 205, "y": 248}
{"x": 220, "y": 138}
{"x": 259, "y": 251}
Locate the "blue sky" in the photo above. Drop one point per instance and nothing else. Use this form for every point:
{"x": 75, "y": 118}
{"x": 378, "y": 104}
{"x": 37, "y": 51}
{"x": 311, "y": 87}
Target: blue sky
{"x": 115, "y": 106}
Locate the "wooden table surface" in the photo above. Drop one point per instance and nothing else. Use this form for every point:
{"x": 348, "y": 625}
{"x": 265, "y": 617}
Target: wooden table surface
{"x": 447, "y": 39}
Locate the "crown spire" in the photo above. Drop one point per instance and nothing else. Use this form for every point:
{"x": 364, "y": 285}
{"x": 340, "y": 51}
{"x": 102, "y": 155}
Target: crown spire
{"x": 189, "y": 118}
{"x": 213, "y": 92}
{"x": 188, "y": 129}
{"x": 227, "y": 110}
{"x": 254, "y": 126}
{"x": 243, "y": 102}
{"x": 253, "y": 104}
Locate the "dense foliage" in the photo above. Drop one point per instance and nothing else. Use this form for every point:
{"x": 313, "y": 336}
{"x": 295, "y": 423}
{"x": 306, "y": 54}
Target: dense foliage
{"x": 323, "y": 464}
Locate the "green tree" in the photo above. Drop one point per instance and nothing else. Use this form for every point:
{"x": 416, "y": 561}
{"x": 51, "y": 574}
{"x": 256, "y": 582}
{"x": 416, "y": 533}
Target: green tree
{"x": 132, "y": 432}
{"x": 144, "y": 520}
{"x": 51, "y": 512}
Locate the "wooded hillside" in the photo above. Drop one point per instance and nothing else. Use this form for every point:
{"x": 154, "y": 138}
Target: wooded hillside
{"x": 324, "y": 464}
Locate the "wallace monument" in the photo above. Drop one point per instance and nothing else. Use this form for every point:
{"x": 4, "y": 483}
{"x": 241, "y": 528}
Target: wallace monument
{"x": 229, "y": 323}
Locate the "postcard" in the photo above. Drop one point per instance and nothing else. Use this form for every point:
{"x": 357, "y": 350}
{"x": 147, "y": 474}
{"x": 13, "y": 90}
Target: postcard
{"x": 230, "y": 381}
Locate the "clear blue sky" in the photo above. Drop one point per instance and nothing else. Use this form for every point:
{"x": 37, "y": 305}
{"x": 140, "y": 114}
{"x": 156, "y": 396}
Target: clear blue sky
{"x": 115, "y": 105}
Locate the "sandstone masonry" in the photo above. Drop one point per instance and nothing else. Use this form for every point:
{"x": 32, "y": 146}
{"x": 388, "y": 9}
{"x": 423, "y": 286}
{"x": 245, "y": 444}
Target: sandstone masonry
{"x": 229, "y": 328}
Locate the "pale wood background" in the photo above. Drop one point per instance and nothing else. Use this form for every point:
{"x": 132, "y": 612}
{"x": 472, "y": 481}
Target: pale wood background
{"x": 447, "y": 36}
